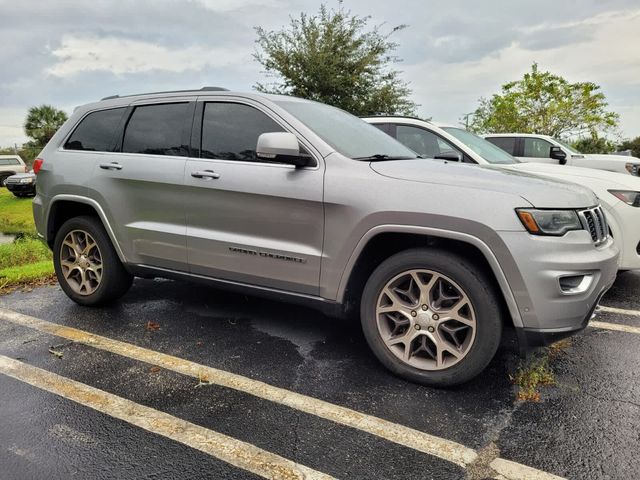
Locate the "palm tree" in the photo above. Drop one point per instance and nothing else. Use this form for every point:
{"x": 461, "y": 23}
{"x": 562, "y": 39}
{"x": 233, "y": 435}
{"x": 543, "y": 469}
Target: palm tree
{"x": 42, "y": 123}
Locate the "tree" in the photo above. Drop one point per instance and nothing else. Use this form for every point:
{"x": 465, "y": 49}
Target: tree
{"x": 333, "y": 58}
{"x": 633, "y": 145}
{"x": 594, "y": 144}
{"x": 547, "y": 104}
{"x": 42, "y": 123}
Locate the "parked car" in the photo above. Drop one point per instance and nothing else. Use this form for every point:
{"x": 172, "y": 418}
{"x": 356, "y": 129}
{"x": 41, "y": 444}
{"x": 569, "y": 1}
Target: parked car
{"x": 546, "y": 149}
{"x": 10, "y": 165}
{"x": 619, "y": 194}
{"x": 297, "y": 200}
{"x": 22, "y": 184}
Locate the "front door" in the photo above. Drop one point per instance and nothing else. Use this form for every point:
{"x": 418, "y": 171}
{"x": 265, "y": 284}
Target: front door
{"x": 248, "y": 220}
{"x": 537, "y": 150}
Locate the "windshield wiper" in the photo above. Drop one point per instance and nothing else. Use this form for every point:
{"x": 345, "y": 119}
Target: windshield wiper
{"x": 381, "y": 157}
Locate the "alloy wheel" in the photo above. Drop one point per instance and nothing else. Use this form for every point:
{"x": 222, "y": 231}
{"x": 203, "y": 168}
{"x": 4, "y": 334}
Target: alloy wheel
{"x": 81, "y": 262}
{"x": 426, "y": 319}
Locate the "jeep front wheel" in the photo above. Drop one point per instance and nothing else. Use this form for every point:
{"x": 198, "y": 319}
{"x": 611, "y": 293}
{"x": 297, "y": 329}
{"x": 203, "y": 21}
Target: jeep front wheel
{"x": 86, "y": 264}
{"x": 431, "y": 317}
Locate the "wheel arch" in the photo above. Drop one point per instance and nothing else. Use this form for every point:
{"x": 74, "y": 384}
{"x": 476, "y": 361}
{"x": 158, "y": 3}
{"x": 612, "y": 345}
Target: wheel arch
{"x": 64, "y": 207}
{"x": 383, "y": 241}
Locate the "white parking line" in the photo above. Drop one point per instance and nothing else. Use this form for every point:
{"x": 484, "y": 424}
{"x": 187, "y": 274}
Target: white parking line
{"x": 622, "y": 311}
{"x": 618, "y": 327}
{"x": 399, "y": 434}
{"x": 230, "y": 450}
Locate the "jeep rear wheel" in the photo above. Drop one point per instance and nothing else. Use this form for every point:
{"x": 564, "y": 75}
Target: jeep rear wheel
{"x": 431, "y": 317}
{"x": 86, "y": 264}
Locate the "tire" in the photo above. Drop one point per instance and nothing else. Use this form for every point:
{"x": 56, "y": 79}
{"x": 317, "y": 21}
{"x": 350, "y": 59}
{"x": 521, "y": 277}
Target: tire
{"x": 3, "y": 179}
{"x": 402, "y": 320}
{"x": 90, "y": 273}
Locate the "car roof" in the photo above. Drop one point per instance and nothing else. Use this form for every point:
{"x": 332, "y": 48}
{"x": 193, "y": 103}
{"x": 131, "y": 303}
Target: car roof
{"x": 536, "y": 135}
{"x": 408, "y": 119}
{"x": 114, "y": 101}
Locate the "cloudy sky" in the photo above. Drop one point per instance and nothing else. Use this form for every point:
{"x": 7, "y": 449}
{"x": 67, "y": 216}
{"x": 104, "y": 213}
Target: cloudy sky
{"x": 70, "y": 52}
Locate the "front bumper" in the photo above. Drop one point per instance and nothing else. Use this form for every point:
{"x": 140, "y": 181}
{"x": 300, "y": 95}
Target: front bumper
{"x": 548, "y": 309}
{"x": 25, "y": 188}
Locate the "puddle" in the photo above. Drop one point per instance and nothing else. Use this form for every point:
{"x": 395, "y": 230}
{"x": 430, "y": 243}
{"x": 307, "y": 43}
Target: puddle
{"x": 7, "y": 237}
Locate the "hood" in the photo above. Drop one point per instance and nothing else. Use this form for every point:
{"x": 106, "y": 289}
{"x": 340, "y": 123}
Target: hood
{"x": 23, "y": 175}
{"x": 612, "y": 158}
{"x": 583, "y": 176}
{"x": 539, "y": 191}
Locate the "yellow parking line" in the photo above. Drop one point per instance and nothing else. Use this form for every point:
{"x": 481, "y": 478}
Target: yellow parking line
{"x": 615, "y": 326}
{"x": 399, "y": 434}
{"x": 230, "y": 450}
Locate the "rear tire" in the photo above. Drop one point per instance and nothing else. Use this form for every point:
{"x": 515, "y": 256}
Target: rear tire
{"x": 431, "y": 317}
{"x": 86, "y": 264}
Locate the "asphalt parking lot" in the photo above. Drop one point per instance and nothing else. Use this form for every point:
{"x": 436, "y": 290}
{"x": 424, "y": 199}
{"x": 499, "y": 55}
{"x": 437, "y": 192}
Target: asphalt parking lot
{"x": 182, "y": 381}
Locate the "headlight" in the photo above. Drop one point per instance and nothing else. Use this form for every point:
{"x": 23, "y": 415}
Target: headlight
{"x": 26, "y": 180}
{"x": 632, "y": 168}
{"x": 549, "y": 222}
{"x": 627, "y": 196}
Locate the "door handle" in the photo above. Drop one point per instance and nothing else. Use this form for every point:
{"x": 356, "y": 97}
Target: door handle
{"x": 207, "y": 174}
{"x": 111, "y": 166}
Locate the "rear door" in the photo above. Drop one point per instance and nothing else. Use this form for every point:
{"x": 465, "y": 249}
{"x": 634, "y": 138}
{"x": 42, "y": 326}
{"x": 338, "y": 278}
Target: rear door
{"x": 141, "y": 185}
{"x": 249, "y": 220}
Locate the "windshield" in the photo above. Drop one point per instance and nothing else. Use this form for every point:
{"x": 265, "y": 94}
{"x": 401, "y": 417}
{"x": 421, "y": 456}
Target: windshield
{"x": 349, "y": 135}
{"x": 485, "y": 149}
{"x": 568, "y": 147}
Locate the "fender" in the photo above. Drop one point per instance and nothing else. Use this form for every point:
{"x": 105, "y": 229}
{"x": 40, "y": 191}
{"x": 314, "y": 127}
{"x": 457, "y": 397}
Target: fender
{"x": 489, "y": 255}
{"x": 96, "y": 206}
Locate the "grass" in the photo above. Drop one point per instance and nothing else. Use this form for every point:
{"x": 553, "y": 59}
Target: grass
{"x": 27, "y": 260}
{"x": 531, "y": 377}
{"x": 16, "y": 215}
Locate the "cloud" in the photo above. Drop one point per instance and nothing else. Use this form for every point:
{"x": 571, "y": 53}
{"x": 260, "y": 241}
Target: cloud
{"x": 120, "y": 56}
{"x": 448, "y": 91}
{"x": 231, "y": 5}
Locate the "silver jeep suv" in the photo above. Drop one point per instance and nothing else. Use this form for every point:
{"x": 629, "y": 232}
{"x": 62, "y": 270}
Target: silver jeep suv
{"x": 298, "y": 200}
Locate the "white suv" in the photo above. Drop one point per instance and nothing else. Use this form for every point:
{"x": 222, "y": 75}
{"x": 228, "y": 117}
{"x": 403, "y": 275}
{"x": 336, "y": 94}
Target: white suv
{"x": 10, "y": 165}
{"x": 545, "y": 149}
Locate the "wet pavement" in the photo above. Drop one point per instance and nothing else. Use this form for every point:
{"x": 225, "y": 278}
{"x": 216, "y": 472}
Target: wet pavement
{"x": 586, "y": 426}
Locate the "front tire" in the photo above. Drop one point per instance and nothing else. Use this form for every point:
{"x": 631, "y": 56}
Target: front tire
{"x": 86, "y": 264}
{"x": 431, "y": 317}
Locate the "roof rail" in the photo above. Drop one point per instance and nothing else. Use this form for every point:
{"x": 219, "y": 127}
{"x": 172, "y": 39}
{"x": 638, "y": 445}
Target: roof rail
{"x": 203, "y": 89}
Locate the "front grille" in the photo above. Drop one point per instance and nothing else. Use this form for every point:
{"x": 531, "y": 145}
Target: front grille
{"x": 594, "y": 221}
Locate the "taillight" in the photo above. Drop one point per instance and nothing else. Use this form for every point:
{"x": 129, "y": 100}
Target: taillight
{"x": 37, "y": 164}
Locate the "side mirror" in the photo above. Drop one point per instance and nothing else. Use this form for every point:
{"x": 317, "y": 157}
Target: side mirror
{"x": 558, "y": 154}
{"x": 451, "y": 155}
{"x": 281, "y": 147}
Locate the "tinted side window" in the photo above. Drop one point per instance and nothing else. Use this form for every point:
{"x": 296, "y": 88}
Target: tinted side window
{"x": 508, "y": 144}
{"x": 96, "y": 131}
{"x": 9, "y": 161}
{"x": 230, "y": 131}
{"x": 536, "y": 147}
{"x": 385, "y": 127}
{"x": 423, "y": 142}
{"x": 156, "y": 130}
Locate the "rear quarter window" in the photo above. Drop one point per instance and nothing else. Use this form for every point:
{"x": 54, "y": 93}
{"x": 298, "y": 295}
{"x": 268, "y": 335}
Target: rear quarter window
{"x": 96, "y": 131}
